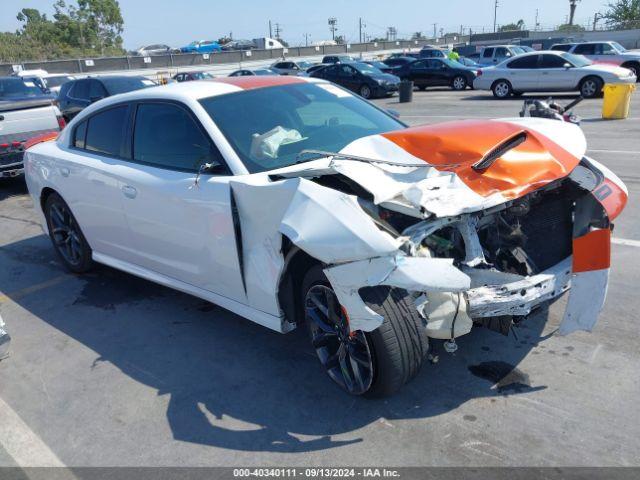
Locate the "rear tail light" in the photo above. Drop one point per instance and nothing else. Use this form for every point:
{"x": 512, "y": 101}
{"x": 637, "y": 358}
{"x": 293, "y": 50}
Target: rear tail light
{"x": 61, "y": 123}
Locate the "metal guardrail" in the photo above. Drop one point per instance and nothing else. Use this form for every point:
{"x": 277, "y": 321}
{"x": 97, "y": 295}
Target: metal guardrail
{"x": 155, "y": 62}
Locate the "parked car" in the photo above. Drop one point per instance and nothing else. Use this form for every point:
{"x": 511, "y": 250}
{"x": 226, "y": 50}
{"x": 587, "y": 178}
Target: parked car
{"x": 405, "y": 54}
{"x": 498, "y": 53}
{"x": 190, "y": 76}
{"x": 202, "y": 46}
{"x": 611, "y": 53}
{"x": 244, "y": 72}
{"x": 337, "y": 59}
{"x": 550, "y": 71}
{"x": 79, "y": 94}
{"x": 55, "y": 82}
{"x": 396, "y": 62}
{"x": 433, "y": 52}
{"x": 362, "y": 78}
{"x": 292, "y": 202}
{"x": 468, "y": 62}
{"x": 317, "y": 67}
{"x": 239, "y": 45}
{"x": 155, "y": 49}
{"x": 437, "y": 72}
{"x": 383, "y": 67}
{"x": 26, "y": 112}
{"x": 288, "y": 67}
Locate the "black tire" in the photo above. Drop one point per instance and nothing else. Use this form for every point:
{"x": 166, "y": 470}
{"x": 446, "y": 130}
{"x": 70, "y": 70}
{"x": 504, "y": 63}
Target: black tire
{"x": 459, "y": 83}
{"x": 397, "y": 348}
{"x": 365, "y": 91}
{"x": 66, "y": 236}
{"x": 422, "y": 88}
{"x": 635, "y": 68}
{"x": 501, "y": 89}
{"x": 591, "y": 87}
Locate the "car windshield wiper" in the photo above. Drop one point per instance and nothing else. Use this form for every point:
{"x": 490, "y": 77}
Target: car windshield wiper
{"x": 317, "y": 154}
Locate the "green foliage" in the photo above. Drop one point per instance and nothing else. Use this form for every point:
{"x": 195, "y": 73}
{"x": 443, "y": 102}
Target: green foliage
{"x": 623, "y": 14}
{"x": 510, "y": 27}
{"x": 565, "y": 27}
{"x": 89, "y": 28}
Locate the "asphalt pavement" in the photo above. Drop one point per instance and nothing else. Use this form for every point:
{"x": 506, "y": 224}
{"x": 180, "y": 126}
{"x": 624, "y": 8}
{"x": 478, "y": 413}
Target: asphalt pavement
{"x": 111, "y": 370}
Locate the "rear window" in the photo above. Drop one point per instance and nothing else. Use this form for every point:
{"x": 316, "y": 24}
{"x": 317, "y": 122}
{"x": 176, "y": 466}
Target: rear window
{"x": 18, "y": 87}
{"x": 123, "y": 85}
{"x": 104, "y": 131}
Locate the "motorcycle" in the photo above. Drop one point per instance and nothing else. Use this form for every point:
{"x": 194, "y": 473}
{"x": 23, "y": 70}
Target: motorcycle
{"x": 551, "y": 109}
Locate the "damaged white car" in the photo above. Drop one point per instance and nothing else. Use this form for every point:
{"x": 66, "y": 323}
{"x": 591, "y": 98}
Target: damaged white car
{"x": 290, "y": 200}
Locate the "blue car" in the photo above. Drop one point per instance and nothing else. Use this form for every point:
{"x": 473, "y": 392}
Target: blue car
{"x": 203, "y": 46}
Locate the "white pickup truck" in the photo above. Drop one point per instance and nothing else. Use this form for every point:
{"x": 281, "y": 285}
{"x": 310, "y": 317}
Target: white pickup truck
{"x": 26, "y": 114}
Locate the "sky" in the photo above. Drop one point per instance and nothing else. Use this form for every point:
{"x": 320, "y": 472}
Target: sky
{"x": 178, "y": 22}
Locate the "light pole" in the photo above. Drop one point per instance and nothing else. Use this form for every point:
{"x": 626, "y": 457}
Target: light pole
{"x": 333, "y": 22}
{"x": 495, "y": 15}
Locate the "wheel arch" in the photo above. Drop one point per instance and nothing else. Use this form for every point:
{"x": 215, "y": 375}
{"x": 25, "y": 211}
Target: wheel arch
{"x": 296, "y": 264}
{"x": 45, "y": 193}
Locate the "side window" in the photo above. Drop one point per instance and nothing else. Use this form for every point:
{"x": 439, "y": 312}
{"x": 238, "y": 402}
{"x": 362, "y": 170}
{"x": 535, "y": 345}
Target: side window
{"x": 104, "y": 131}
{"x": 418, "y": 65}
{"x": 487, "y": 53}
{"x": 80, "y": 90}
{"x": 79, "y": 135}
{"x": 166, "y": 136}
{"x": 96, "y": 90}
{"x": 435, "y": 64}
{"x": 552, "y": 61}
{"x": 529, "y": 61}
{"x": 605, "y": 49}
{"x": 347, "y": 71}
{"x": 585, "y": 49}
{"x": 501, "y": 52}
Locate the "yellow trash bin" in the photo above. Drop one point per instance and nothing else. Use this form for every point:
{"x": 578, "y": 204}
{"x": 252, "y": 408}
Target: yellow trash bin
{"x": 616, "y": 100}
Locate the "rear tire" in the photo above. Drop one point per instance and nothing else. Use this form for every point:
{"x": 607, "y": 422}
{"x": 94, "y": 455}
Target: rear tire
{"x": 365, "y": 91}
{"x": 501, "y": 89}
{"x": 66, "y": 236}
{"x": 591, "y": 87}
{"x": 395, "y": 351}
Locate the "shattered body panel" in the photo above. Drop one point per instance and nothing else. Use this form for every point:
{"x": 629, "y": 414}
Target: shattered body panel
{"x": 464, "y": 242}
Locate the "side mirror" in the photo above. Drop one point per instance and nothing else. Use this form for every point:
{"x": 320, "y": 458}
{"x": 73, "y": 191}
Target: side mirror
{"x": 567, "y": 65}
{"x": 507, "y": 54}
{"x": 393, "y": 113}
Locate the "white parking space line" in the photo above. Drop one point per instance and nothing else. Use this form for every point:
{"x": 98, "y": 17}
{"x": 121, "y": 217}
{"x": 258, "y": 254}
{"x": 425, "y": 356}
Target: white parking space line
{"x": 21, "y": 443}
{"x": 625, "y": 241}
{"x": 624, "y": 152}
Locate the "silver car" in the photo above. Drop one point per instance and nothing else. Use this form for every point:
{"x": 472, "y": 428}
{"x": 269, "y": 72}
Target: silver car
{"x": 287, "y": 67}
{"x": 549, "y": 71}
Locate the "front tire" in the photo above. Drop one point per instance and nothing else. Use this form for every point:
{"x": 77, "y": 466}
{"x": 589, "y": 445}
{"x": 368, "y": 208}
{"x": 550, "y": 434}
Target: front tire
{"x": 501, "y": 89}
{"x": 372, "y": 364}
{"x": 635, "y": 68}
{"x": 459, "y": 83}
{"x": 66, "y": 236}
{"x": 365, "y": 91}
{"x": 591, "y": 87}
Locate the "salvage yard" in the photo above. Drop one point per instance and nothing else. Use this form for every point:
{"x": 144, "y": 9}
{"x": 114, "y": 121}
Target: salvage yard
{"x": 110, "y": 370}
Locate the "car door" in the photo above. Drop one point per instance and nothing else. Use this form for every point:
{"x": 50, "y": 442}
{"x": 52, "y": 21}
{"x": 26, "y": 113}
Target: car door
{"x": 586, "y": 49}
{"x": 486, "y": 58}
{"x": 605, "y": 53}
{"x": 500, "y": 55}
{"x": 418, "y": 73}
{"x": 88, "y": 179}
{"x": 555, "y": 76}
{"x": 180, "y": 224}
{"x": 437, "y": 70}
{"x": 523, "y": 73}
{"x": 349, "y": 77}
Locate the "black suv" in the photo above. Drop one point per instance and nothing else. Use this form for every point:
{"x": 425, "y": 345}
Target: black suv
{"x": 77, "y": 95}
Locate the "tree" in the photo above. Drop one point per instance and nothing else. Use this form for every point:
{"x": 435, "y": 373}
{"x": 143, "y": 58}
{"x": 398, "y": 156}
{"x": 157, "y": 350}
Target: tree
{"x": 509, "y": 27}
{"x": 566, "y": 27}
{"x": 623, "y": 14}
{"x": 417, "y": 36}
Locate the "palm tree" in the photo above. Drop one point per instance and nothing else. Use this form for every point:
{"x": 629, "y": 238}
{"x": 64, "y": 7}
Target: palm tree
{"x": 572, "y": 10}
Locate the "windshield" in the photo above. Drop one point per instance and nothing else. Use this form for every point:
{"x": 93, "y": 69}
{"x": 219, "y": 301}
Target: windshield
{"x": 367, "y": 69}
{"x": 576, "y": 60}
{"x": 123, "y": 85}
{"x": 268, "y": 127}
{"x": 518, "y": 50}
{"x": 18, "y": 87}
{"x": 618, "y": 47}
{"x": 304, "y": 64}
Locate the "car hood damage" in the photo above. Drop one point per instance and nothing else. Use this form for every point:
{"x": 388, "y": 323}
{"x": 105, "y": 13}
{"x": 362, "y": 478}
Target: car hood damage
{"x": 474, "y": 218}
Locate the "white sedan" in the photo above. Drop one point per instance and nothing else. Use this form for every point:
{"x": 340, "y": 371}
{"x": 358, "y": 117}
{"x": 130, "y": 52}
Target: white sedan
{"x": 550, "y": 71}
{"x": 289, "y": 200}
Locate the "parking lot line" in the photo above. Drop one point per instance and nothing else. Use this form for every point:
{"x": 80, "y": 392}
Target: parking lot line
{"x": 625, "y": 241}
{"x": 23, "y": 445}
{"x": 624, "y": 152}
{"x": 34, "y": 288}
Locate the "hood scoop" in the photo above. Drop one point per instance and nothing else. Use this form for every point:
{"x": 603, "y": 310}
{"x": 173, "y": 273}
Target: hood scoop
{"x": 497, "y": 152}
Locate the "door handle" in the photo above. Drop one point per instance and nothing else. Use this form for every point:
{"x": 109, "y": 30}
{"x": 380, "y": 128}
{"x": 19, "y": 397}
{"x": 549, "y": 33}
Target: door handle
{"x": 64, "y": 171}
{"x": 129, "y": 191}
